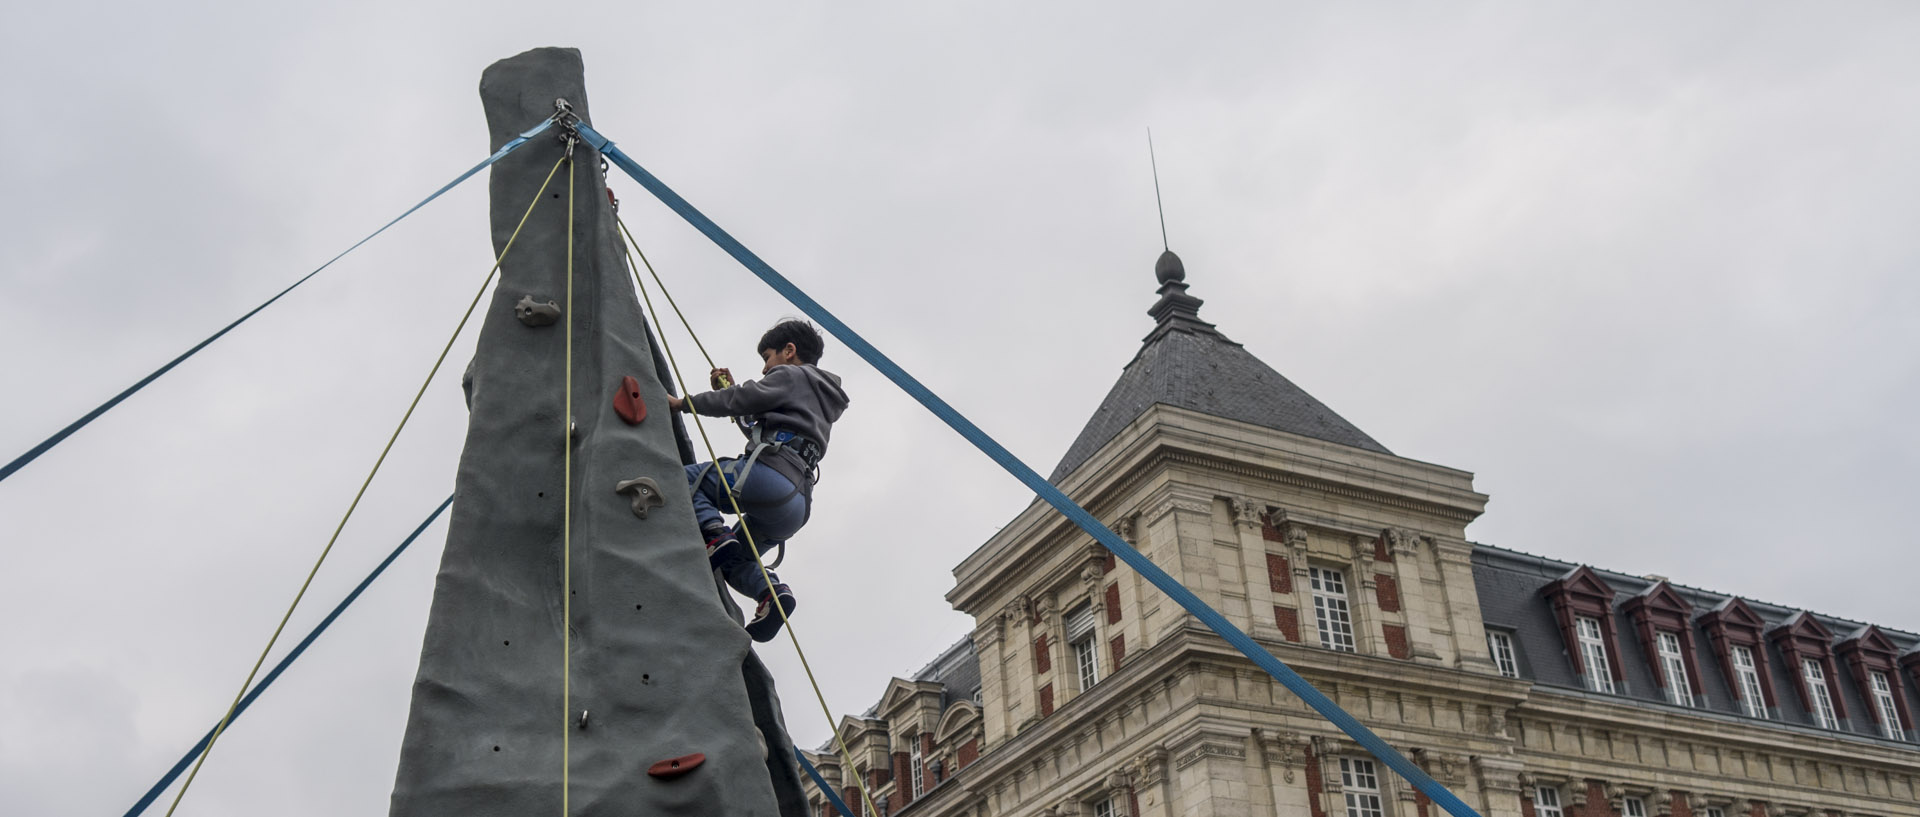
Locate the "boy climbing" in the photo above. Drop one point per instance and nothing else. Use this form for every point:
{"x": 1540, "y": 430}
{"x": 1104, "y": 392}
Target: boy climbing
{"x": 787, "y": 416}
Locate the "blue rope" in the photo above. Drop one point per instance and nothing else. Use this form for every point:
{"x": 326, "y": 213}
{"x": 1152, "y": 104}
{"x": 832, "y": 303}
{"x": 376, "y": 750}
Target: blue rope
{"x": 48, "y": 444}
{"x": 832, "y": 797}
{"x": 187, "y": 759}
{"x": 1067, "y": 507}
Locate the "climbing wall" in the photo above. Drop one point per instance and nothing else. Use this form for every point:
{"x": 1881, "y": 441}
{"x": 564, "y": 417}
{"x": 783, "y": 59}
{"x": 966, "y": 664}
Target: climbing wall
{"x": 670, "y": 713}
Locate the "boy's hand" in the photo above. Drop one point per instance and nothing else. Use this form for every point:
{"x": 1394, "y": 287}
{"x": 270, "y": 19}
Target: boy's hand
{"x": 675, "y": 403}
{"x": 720, "y": 379}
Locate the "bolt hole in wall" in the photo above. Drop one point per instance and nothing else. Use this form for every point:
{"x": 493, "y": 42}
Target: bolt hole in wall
{"x": 506, "y": 643}
{"x": 496, "y": 748}
{"x": 541, "y": 494}
{"x": 645, "y": 678}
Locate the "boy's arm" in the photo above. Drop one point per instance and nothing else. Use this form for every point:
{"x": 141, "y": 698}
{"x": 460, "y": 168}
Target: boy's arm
{"x": 744, "y": 400}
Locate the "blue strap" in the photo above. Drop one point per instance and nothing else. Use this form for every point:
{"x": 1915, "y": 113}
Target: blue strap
{"x": 832, "y": 796}
{"x": 187, "y": 759}
{"x": 46, "y": 445}
{"x": 1067, "y": 507}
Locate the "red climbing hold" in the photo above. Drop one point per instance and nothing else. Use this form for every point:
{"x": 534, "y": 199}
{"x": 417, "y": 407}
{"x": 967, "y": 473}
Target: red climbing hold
{"x": 628, "y": 403}
{"x": 674, "y": 767}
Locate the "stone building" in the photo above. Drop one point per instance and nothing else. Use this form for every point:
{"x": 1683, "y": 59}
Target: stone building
{"x": 1530, "y": 687}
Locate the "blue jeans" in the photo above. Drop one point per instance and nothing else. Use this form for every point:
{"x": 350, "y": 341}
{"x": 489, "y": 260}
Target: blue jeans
{"x": 771, "y": 509}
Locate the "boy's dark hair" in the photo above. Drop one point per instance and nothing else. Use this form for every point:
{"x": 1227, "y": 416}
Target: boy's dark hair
{"x": 806, "y": 340}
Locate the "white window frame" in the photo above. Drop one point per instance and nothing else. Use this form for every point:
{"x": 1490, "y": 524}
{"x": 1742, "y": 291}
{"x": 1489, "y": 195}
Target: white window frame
{"x": 1083, "y": 641}
{"x": 1360, "y": 785}
{"x": 1716, "y": 811}
{"x": 1105, "y": 808}
{"x": 1633, "y": 807}
{"x": 1332, "y": 616}
{"x": 1501, "y": 645}
{"x": 1673, "y": 667}
{"x": 1882, "y": 689}
{"x": 1822, "y": 704}
{"x": 916, "y": 769}
{"x": 1593, "y": 654}
{"x": 1747, "y": 675}
{"x": 1546, "y": 802}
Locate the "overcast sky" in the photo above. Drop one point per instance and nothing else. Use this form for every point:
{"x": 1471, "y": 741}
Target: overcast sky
{"x": 1648, "y": 270}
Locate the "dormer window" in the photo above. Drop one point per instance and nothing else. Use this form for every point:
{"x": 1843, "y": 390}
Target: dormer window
{"x": 1874, "y": 662}
{"x": 1598, "y": 673}
{"x": 1822, "y": 701}
{"x": 1583, "y": 604}
{"x": 1734, "y": 631}
{"x": 915, "y": 767}
{"x": 1664, "y": 620}
{"x": 1501, "y": 646}
{"x": 1747, "y": 683}
{"x": 1883, "y": 705}
{"x": 1330, "y": 611}
{"x": 1806, "y": 645}
{"x": 1673, "y": 669}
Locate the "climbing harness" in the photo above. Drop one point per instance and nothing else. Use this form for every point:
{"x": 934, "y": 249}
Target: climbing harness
{"x": 746, "y": 532}
{"x": 224, "y": 719}
{"x": 1053, "y": 496}
{"x": 48, "y": 444}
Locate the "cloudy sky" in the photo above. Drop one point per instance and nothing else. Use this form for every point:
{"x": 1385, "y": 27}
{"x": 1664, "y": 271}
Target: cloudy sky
{"x": 1647, "y": 271}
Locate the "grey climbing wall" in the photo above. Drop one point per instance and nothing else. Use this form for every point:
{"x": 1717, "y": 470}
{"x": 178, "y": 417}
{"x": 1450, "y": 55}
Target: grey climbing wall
{"x": 659, "y": 663}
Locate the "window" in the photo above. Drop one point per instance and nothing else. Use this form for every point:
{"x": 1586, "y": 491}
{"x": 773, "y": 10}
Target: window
{"x": 1105, "y": 808}
{"x": 1673, "y": 667}
{"x": 1546, "y": 802}
{"x": 1501, "y": 644}
{"x": 914, "y": 768}
{"x": 1083, "y": 644}
{"x": 1715, "y": 811}
{"x": 1330, "y": 608}
{"x": 1883, "y": 704}
{"x": 1748, "y": 676}
{"x": 1817, "y": 691}
{"x": 1362, "y": 786}
{"x": 1633, "y": 807}
{"x": 1593, "y": 654}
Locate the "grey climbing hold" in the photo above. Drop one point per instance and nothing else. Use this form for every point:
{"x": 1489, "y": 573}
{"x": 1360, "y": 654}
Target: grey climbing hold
{"x": 646, "y": 494}
{"x": 583, "y": 719}
{"x": 534, "y": 313}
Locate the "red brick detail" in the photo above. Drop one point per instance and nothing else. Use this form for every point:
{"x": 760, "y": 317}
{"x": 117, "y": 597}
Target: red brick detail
{"x": 1267, "y": 529}
{"x": 969, "y": 752}
{"x": 1680, "y": 807}
{"x": 1042, "y": 657}
{"x": 1315, "y": 783}
{"x": 1133, "y": 803}
{"x": 1113, "y": 603}
{"x": 1759, "y": 809}
{"x": 1526, "y": 805}
{"x": 1396, "y": 641}
{"x": 1420, "y": 802}
{"x": 1279, "y": 573}
{"x": 853, "y": 799}
{"x": 1046, "y": 700}
{"x": 878, "y": 778}
{"x": 1119, "y": 644}
{"x": 902, "y": 789}
{"x": 1106, "y": 563}
{"x": 1288, "y": 620}
{"x": 1599, "y": 806}
{"x": 1380, "y": 550}
{"x": 1388, "y": 591}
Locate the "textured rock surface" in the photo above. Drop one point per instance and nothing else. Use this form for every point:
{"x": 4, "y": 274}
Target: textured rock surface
{"x": 658, "y": 656}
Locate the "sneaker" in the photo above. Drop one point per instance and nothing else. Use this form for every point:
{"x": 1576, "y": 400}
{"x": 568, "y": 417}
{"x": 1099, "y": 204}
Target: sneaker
{"x": 766, "y": 620}
{"x": 721, "y": 547}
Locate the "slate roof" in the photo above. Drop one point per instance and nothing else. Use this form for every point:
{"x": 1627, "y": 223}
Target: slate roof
{"x": 1187, "y": 363}
{"x": 1509, "y": 584}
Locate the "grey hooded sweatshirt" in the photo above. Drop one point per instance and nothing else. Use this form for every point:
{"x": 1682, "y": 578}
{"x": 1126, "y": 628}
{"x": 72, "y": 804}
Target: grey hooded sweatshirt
{"x": 803, "y": 399}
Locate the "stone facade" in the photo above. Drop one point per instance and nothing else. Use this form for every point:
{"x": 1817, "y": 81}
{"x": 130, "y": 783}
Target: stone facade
{"x": 1092, "y": 694}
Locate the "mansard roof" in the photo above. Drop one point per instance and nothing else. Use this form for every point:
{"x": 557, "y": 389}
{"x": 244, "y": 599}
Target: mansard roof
{"x": 1512, "y": 589}
{"x": 1187, "y": 363}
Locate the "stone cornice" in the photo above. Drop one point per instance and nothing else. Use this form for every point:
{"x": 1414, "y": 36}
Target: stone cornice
{"x": 1038, "y": 529}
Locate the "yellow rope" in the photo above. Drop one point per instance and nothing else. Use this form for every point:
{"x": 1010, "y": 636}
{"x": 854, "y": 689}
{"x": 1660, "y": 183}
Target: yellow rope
{"x": 846, "y": 756}
{"x": 566, "y": 522}
{"x": 228, "y": 717}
